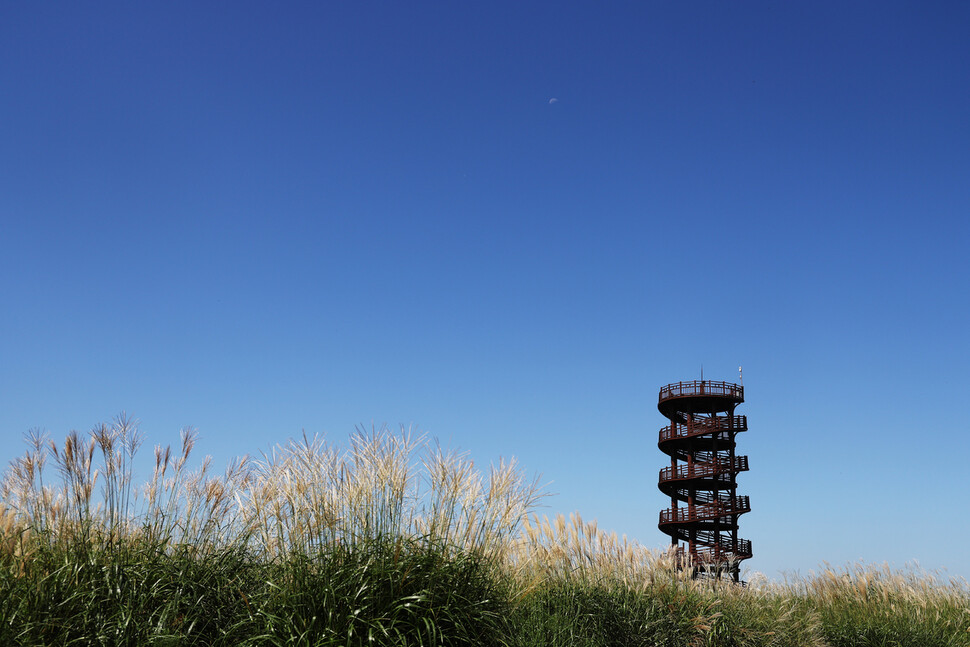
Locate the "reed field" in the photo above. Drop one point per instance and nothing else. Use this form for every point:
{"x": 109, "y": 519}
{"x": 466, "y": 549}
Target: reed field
{"x": 388, "y": 539}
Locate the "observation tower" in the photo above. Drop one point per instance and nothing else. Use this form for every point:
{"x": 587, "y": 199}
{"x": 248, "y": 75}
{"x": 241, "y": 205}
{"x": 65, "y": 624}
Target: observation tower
{"x": 702, "y": 478}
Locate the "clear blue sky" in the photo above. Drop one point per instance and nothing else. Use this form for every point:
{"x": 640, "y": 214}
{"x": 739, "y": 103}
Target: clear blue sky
{"x": 509, "y": 224}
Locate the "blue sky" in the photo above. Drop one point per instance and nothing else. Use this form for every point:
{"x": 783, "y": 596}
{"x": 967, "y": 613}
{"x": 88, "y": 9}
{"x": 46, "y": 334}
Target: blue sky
{"x": 509, "y": 224}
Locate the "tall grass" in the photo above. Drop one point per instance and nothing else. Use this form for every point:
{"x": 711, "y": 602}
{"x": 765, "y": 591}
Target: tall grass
{"x": 392, "y": 539}
{"x": 874, "y": 605}
{"x": 389, "y": 540}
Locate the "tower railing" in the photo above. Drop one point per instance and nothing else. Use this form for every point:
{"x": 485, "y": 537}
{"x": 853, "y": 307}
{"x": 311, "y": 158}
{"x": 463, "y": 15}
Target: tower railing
{"x": 703, "y": 426}
{"x": 701, "y": 387}
{"x": 702, "y": 470}
{"x": 706, "y": 511}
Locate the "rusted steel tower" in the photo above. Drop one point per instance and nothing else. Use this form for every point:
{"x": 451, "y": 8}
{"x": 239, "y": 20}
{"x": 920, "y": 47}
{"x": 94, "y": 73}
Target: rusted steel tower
{"x": 702, "y": 478}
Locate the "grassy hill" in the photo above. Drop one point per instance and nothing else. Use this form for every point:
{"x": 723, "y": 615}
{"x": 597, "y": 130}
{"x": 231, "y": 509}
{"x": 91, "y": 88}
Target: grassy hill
{"x": 389, "y": 541}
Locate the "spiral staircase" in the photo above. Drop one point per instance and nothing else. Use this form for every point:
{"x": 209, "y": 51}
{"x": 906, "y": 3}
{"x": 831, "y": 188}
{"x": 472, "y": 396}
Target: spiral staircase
{"x": 701, "y": 480}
